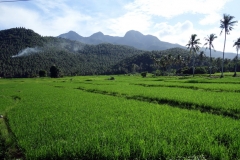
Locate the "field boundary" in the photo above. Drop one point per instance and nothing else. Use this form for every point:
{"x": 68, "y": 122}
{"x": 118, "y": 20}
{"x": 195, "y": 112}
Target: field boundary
{"x": 188, "y": 87}
{"x": 13, "y": 150}
{"x": 8, "y": 142}
{"x": 231, "y": 113}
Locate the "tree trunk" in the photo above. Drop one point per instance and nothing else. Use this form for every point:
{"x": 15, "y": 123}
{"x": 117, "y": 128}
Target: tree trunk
{"x": 223, "y": 53}
{"x": 210, "y": 62}
{"x": 235, "y": 73}
{"x": 193, "y": 68}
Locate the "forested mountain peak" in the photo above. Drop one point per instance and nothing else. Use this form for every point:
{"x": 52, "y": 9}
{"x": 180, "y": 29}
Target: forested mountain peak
{"x": 16, "y": 39}
{"x": 97, "y": 35}
{"x": 19, "y": 31}
{"x": 133, "y": 33}
{"x": 73, "y": 35}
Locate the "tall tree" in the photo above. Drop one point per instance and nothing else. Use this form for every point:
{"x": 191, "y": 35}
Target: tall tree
{"x": 193, "y": 45}
{"x": 237, "y": 44}
{"x": 226, "y": 24}
{"x": 218, "y": 64}
{"x": 202, "y": 57}
{"x": 166, "y": 62}
{"x": 180, "y": 61}
{"x": 209, "y": 42}
{"x": 55, "y": 73}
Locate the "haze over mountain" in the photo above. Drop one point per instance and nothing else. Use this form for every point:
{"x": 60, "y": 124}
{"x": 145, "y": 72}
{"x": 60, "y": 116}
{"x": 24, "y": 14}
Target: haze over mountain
{"x": 135, "y": 39}
{"x": 131, "y": 38}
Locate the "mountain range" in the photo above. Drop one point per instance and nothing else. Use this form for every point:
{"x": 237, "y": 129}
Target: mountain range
{"x": 136, "y": 40}
{"x": 131, "y": 38}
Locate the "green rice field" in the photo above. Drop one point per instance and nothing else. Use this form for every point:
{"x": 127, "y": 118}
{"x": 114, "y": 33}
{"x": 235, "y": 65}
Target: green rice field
{"x": 130, "y": 117}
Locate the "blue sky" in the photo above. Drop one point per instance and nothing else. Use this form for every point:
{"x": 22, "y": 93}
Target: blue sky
{"x": 169, "y": 20}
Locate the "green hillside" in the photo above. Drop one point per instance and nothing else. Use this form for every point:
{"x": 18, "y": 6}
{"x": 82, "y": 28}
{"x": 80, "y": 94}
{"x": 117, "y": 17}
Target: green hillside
{"x": 23, "y": 53}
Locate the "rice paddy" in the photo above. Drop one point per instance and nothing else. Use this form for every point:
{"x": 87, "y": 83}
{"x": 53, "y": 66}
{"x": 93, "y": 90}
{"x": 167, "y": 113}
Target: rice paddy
{"x": 129, "y": 117}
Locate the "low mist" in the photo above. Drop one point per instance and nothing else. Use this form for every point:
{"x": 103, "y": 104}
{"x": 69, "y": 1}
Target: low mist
{"x": 27, "y": 51}
{"x": 74, "y": 47}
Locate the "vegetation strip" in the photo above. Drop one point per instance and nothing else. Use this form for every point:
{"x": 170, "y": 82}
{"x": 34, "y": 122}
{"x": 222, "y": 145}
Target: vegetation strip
{"x": 188, "y": 87}
{"x": 9, "y": 148}
{"x": 185, "y": 105}
{"x": 12, "y": 151}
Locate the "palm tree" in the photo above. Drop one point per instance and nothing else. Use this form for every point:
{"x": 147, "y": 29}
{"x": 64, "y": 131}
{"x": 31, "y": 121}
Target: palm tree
{"x": 226, "y": 24}
{"x": 193, "y": 45}
{"x": 179, "y": 61}
{"x": 237, "y": 44}
{"x": 218, "y": 64}
{"x": 162, "y": 62}
{"x": 209, "y": 42}
{"x": 166, "y": 62}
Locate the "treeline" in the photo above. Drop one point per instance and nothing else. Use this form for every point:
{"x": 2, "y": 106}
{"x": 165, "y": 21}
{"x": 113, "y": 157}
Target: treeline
{"x": 175, "y": 61}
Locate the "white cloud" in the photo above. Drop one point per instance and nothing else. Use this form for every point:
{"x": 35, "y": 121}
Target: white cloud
{"x": 171, "y": 8}
{"x": 15, "y": 16}
{"x": 71, "y": 20}
{"x": 212, "y": 18}
{"x": 165, "y": 29}
{"x": 130, "y": 21}
{"x": 177, "y": 33}
{"x": 181, "y": 32}
{"x": 49, "y": 7}
{"x": 54, "y": 19}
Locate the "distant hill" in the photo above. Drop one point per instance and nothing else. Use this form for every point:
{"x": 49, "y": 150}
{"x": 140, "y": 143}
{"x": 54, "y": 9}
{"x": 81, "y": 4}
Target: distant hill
{"x": 131, "y": 38}
{"x": 217, "y": 54}
{"x": 23, "y": 53}
{"x": 96, "y": 38}
{"x": 135, "y": 39}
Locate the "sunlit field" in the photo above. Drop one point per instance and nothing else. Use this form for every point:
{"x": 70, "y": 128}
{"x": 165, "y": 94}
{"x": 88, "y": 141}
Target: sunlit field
{"x": 129, "y": 117}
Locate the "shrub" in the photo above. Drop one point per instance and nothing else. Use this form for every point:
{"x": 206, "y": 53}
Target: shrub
{"x": 55, "y": 72}
{"x": 144, "y": 74}
{"x": 111, "y": 78}
{"x": 42, "y": 73}
{"x": 200, "y": 70}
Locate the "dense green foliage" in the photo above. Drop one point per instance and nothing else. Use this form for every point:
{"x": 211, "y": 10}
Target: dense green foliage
{"x": 145, "y": 62}
{"x": 54, "y": 72}
{"x": 128, "y": 118}
{"x": 23, "y": 53}
{"x": 170, "y": 62}
{"x": 43, "y": 73}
